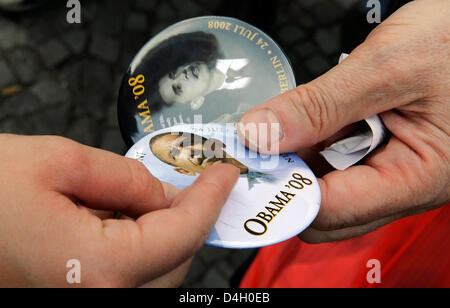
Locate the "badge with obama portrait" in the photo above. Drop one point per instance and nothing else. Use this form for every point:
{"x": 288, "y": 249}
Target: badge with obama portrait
{"x": 202, "y": 70}
{"x": 275, "y": 198}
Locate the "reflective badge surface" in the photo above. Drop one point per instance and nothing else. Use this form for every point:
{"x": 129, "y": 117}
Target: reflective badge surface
{"x": 275, "y": 198}
{"x": 202, "y": 70}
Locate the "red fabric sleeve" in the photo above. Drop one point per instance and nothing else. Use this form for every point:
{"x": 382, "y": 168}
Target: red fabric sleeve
{"x": 413, "y": 252}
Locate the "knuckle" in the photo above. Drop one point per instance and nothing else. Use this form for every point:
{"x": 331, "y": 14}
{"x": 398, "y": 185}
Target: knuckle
{"x": 62, "y": 157}
{"x": 214, "y": 189}
{"x": 140, "y": 178}
{"x": 395, "y": 67}
{"x": 65, "y": 153}
{"x": 311, "y": 102}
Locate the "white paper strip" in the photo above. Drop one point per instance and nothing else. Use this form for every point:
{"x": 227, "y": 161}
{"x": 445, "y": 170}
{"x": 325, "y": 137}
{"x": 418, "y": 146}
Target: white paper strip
{"x": 347, "y": 152}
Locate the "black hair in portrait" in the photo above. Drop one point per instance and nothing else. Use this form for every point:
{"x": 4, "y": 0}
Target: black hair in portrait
{"x": 161, "y": 60}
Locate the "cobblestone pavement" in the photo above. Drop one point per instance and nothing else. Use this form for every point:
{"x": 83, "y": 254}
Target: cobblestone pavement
{"x": 63, "y": 79}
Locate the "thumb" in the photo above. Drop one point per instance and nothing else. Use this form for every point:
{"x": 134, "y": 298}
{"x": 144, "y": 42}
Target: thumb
{"x": 356, "y": 89}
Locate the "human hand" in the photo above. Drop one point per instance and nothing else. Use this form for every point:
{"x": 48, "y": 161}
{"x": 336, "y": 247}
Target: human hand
{"x": 402, "y": 71}
{"x": 57, "y": 203}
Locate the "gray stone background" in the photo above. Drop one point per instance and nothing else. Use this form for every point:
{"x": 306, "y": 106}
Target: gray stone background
{"x": 63, "y": 79}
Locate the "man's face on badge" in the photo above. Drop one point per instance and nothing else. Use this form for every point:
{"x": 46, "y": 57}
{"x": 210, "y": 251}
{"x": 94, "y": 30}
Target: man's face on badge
{"x": 191, "y": 154}
{"x": 185, "y": 84}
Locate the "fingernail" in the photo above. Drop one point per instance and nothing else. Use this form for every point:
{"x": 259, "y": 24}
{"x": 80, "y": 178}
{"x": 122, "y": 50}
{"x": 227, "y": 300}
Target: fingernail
{"x": 261, "y": 130}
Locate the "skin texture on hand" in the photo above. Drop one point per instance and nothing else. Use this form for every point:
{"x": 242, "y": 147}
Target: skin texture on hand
{"x": 57, "y": 203}
{"x": 402, "y": 72}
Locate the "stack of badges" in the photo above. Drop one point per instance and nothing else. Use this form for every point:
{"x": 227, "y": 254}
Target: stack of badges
{"x": 178, "y": 107}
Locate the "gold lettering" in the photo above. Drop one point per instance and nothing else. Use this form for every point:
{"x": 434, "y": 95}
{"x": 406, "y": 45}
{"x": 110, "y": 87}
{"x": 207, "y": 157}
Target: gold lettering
{"x": 275, "y": 60}
{"x": 264, "y": 216}
{"x": 284, "y": 84}
{"x": 281, "y": 202}
{"x": 253, "y": 36}
{"x": 252, "y": 231}
{"x": 273, "y": 211}
{"x": 148, "y": 117}
{"x": 263, "y": 45}
{"x": 289, "y": 196}
{"x": 149, "y": 129}
{"x": 143, "y": 105}
{"x": 141, "y": 114}
{"x": 282, "y": 78}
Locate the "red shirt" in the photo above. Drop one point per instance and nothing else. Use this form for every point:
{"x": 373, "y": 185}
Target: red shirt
{"x": 412, "y": 252}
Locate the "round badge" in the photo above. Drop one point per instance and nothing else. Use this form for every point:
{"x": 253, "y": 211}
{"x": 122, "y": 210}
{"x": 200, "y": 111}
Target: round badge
{"x": 275, "y": 198}
{"x": 202, "y": 70}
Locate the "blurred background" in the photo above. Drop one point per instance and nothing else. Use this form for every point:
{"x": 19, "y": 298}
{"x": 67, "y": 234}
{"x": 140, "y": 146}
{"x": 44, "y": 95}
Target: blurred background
{"x": 63, "y": 79}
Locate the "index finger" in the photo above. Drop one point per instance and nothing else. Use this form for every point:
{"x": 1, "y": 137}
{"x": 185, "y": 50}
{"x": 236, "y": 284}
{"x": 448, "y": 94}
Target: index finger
{"x": 106, "y": 181}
